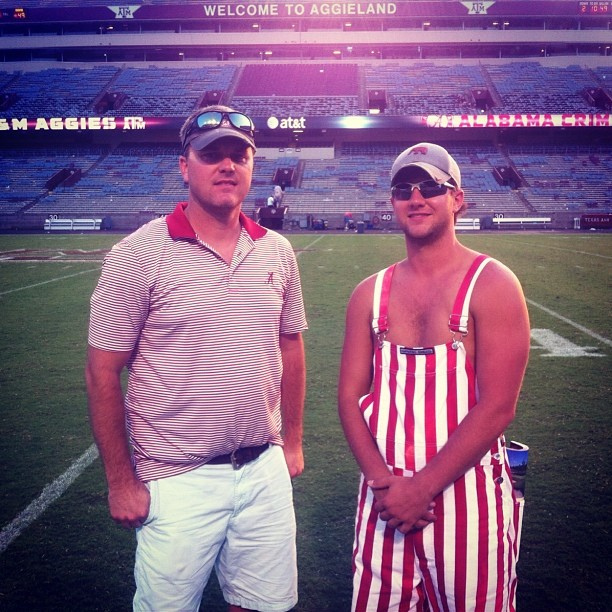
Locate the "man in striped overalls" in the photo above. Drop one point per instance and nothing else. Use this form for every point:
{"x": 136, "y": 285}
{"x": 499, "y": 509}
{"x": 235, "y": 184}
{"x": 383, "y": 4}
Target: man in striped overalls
{"x": 434, "y": 356}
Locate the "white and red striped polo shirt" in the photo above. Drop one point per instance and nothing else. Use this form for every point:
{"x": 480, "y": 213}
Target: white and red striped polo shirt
{"x": 204, "y": 377}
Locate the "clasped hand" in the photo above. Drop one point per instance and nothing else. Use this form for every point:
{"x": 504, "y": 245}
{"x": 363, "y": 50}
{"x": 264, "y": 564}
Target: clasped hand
{"x": 402, "y": 503}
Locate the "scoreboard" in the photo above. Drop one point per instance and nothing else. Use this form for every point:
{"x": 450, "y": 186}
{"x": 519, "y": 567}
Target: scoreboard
{"x": 595, "y": 7}
{"x": 16, "y": 14}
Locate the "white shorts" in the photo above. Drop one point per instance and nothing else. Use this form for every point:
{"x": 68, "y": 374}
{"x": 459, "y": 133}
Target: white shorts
{"x": 241, "y": 522}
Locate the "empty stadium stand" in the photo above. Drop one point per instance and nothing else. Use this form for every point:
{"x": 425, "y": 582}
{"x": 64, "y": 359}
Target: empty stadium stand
{"x": 527, "y": 121}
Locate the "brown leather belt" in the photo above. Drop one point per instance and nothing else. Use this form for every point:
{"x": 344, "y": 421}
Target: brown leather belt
{"x": 240, "y": 456}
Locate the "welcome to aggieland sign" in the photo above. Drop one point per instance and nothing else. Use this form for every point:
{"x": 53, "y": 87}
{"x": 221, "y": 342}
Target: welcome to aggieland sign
{"x": 307, "y": 10}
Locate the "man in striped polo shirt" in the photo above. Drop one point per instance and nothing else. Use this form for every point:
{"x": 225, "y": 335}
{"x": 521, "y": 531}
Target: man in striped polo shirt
{"x": 204, "y": 308}
{"x": 434, "y": 355}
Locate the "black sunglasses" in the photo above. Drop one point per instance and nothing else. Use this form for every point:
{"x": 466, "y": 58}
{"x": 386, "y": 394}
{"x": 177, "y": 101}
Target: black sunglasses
{"x": 211, "y": 120}
{"x": 428, "y": 189}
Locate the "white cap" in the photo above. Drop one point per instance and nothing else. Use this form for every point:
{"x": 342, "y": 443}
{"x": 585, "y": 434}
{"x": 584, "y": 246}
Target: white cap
{"x": 432, "y": 158}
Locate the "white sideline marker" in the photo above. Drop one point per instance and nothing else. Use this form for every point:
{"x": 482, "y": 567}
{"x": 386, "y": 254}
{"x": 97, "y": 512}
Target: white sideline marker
{"x": 49, "y": 494}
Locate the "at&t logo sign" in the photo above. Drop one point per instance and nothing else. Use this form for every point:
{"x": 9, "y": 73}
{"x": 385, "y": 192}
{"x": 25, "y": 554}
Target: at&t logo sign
{"x": 286, "y": 123}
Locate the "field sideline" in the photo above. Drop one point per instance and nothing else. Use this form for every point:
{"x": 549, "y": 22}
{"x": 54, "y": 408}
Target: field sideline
{"x": 64, "y": 553}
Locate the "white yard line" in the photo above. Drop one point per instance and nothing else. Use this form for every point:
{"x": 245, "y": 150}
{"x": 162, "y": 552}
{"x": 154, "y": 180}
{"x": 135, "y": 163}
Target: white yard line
{"x": 51, "y": 280}
{"x": 49, "y": 494}
{"x": 556, "y": 248}
{"x": 54, "y": 490}
{"x": 583, "y": 329}
{"x": 311, "y": 244}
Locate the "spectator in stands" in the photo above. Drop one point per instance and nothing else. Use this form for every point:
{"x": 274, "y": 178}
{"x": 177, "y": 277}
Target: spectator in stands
{"x": 434, "y": 355}
{"x": 276, "y": 199}
{"x": 204, "y": 308}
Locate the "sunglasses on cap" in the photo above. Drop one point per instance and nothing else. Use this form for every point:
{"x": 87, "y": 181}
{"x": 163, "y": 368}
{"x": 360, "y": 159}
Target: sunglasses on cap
{"x": 428, "y": 189}
{"x": 210, "y": 120}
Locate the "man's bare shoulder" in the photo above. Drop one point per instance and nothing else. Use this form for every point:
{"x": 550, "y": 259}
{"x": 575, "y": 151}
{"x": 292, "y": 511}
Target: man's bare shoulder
{"x": 367, "y": 284}
{"x": 497, "y": 285}
{"x": 497, "y": 272}
{"x": 360, "y": 301}
{"x": 365, "y": 289}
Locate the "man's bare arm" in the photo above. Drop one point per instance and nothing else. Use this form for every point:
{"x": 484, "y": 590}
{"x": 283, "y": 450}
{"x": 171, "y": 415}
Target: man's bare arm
{"x": 292, "y": 400}
{"x": 128, "y": 498}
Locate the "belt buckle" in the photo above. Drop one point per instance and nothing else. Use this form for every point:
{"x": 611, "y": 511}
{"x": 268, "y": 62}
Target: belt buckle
{"x": 236, "y": 463}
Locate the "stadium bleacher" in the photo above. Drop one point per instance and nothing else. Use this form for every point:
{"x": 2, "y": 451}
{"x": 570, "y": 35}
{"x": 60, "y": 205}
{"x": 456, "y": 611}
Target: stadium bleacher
{"x": 520, "y": 87}
{"x": 556, "y": 172}
{"x": 426, "y": 87}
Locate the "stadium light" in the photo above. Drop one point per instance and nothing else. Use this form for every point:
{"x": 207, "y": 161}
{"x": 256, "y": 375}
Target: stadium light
{"x": 354, "y": 122}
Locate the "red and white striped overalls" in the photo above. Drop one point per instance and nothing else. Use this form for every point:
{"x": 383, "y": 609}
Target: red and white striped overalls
{"x": 466, "y": 559}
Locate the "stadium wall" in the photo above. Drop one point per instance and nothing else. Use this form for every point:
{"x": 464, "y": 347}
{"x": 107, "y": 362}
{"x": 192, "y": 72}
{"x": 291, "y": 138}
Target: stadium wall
{"x": 187, "y": 41}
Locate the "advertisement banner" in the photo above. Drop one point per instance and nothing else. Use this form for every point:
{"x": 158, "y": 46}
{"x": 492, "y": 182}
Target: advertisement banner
{"x": 303, "y": 124}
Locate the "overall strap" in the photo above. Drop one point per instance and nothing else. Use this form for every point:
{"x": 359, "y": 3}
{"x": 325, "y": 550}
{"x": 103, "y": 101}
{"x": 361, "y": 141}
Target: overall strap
{"x": 380, "y": 305}
{"x": 458, "y": 320}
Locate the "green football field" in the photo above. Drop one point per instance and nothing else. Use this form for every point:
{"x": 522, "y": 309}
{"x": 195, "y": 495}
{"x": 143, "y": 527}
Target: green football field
{"x": 59, "y": 550}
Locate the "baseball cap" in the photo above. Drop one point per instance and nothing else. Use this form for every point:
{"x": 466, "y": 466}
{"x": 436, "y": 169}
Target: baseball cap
{"x": 432, "y": 158}
{"x": 214, "y": 123}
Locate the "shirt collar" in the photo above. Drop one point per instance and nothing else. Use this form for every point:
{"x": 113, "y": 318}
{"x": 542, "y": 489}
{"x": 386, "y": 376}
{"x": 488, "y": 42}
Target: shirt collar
{"x": 179, "y": 226}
